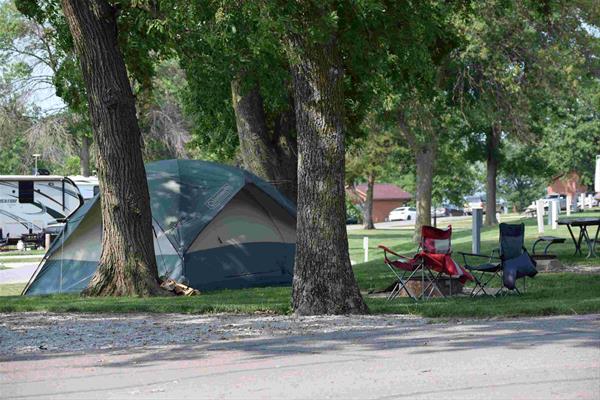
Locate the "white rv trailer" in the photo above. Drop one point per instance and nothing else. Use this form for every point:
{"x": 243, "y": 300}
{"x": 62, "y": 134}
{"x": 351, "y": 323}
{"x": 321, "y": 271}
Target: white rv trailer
{"x": 87, "y": 185}
{"x": 29, "y": 203}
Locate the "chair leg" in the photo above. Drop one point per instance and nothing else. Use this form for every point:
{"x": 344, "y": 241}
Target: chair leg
{"x": 477, "y": 288}
{"x": 480, "y": 284}
{"x": 504, "y": 291}
{"x": 393, "y": 292}
{"x": 432, "y": 285}
{"x": 517, "y": 291}
{"x": 400, "y": 285}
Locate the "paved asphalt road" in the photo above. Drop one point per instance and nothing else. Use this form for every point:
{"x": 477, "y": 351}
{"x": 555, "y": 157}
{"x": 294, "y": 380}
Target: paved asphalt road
{"x": 540, "y": 358}
{"x": 18, "y": 272}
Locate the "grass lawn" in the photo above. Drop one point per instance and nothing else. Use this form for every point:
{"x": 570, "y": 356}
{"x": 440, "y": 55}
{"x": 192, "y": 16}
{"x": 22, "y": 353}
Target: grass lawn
{"x": 11, "y": 289}
{"x": 17, "y": 259}
{"x": 548, "y": 293}
{"x": 14, "y": 252}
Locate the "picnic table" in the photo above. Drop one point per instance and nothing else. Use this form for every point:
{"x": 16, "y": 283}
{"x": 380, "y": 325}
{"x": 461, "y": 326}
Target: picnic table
{"x": 583, "y": 223}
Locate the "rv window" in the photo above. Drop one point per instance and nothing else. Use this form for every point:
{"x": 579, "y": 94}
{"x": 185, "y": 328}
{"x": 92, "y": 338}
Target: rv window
{"x": 25, "y": 191}
{"x": 96, "y": 190}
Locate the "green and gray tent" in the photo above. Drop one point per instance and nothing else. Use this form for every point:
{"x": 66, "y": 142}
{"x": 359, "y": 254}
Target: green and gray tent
{"x": 215, "y": 227}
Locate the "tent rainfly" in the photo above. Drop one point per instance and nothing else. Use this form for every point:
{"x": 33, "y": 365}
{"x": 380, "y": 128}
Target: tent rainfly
{"x": 215, "y": 227}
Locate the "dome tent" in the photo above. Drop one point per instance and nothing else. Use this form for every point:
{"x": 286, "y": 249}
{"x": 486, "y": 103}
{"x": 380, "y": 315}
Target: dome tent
{"x": 215, "y": 227}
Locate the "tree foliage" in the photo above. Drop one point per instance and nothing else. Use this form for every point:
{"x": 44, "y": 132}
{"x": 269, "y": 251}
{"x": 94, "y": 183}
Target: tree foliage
{"x": 572, "y": 134}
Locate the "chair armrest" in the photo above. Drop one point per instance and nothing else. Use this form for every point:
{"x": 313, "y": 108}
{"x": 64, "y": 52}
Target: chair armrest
{"x": 489, "y": 257}
{"x": 388, "y": 250}
{"x": 476, "y": 255}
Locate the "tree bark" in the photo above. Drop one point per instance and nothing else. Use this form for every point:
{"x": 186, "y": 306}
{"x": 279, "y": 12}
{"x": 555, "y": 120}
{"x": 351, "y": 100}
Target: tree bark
{"x": 270, "y": 154}
{"x": 127, "y": 264}
{"x": 368, "y": 214}
{"x": 425, "y": 157}
{"x": 84, "y": 156}
{"x": 323, "y": 278}
{"x": 492, "y": 144}
{"x": 286, "y": 146}
{"x": 425, "y": 153}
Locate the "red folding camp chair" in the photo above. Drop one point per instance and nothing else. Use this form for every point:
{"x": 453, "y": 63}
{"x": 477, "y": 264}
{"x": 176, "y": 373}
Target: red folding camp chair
{"x": 432, "y": 260}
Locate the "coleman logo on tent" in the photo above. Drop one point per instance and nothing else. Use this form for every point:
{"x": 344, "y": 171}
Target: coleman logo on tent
{"x": 220, "y": 197}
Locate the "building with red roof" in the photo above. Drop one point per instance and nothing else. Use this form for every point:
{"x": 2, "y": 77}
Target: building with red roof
{"x": 568, "y": 185}
{"x": 386, "y": 197}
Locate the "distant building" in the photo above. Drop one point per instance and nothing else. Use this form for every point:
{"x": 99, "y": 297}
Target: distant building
{"x": 568, "y": 185}
{"x": 386, "y": 197}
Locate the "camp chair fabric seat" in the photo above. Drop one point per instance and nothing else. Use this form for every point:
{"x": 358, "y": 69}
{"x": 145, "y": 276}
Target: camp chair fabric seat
{"x": 443, "y": 263}
{"x": 406, "y": 266}
{"x": 480, "y": 271}
{"x": 436, "y": 251}
{"x": 484, "y": 267}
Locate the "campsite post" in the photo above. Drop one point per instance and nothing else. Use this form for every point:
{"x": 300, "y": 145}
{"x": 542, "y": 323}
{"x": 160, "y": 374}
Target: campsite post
{"x": 476, "y": 229}
{"x": 366, "y": 247}
{"x": 540, "y": 215}
{"x": 554, "y": 213}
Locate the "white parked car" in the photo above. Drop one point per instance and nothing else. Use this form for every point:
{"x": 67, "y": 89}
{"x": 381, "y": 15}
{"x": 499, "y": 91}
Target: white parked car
{"x": 403, "y": 214}
{"x": 439, "y": 212}
{"x": 561, "y": 198}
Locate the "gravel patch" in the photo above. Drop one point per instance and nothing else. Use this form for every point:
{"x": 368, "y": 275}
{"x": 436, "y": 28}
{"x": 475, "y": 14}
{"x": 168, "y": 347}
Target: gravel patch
{"x": 47, "y": 332}
{"x": 582, "y": 269}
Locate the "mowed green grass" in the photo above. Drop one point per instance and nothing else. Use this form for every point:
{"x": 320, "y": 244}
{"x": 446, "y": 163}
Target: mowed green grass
{"x": 16, "y": 259}
{"x": 15, "y": 252}
{"x": 547, "y": 294}
{"x": 11, "y": 289}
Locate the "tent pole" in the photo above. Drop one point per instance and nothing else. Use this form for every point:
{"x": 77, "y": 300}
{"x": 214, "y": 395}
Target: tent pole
{"x": 62, "y": 246}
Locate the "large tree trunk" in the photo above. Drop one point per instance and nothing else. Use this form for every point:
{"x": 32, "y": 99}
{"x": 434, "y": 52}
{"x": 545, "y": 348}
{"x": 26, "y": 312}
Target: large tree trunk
{"x": 127, "y": 264}
{"x": 368, "y": 213}
{"x": 425, "y": 157}
{"x": 323, "y": 278}
{"x": 84, "y": 156}
{"x": 270, "y": 155}
{"x": 492, "y": 144}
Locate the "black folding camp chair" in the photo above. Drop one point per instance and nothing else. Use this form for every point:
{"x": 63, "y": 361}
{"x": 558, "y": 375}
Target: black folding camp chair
{"x": 508, "y": 263}
{"x": 485, "y": 272}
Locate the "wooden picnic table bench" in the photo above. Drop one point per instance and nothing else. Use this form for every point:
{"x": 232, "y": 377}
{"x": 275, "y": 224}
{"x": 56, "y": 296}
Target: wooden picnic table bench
{"x": 550, "y": 240}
